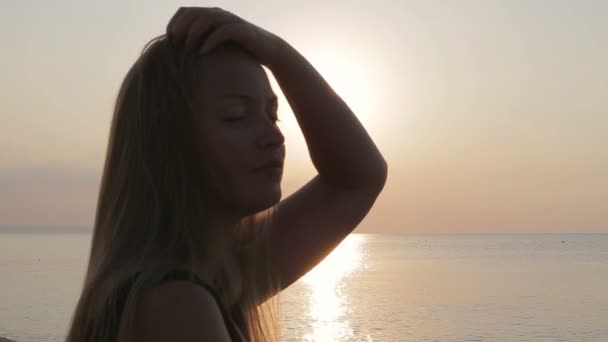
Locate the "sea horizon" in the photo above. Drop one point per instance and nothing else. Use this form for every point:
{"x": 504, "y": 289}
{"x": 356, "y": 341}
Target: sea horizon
{"x": 87, "y": 229}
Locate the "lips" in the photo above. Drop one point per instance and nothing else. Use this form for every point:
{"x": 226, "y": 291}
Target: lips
{"x": 273, "y": 164}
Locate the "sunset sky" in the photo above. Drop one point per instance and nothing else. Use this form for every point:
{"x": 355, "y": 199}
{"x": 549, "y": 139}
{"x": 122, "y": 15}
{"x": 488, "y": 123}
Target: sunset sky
{"x": 492, "y": 115}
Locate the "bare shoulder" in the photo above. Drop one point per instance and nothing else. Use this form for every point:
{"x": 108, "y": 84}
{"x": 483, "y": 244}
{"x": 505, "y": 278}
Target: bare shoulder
{"x": 179, "y": 311}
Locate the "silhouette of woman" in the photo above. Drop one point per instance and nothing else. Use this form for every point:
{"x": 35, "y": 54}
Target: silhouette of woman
{"x": 192, "y": 241}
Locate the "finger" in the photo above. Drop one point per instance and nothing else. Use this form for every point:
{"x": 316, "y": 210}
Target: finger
{"x": 204, "y": 26}
{"x": 182, "y": 24}
{"x": 171, "y": 23}
{"x": 198, "y": 29}
{"x": 228, "y": 32}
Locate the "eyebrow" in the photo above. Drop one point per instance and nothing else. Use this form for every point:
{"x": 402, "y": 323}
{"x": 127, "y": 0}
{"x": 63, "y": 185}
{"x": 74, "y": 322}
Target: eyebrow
{"x": 272, "y": 97}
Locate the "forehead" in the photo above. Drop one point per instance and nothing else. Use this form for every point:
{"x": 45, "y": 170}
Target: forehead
{"x": 230, "y": 71}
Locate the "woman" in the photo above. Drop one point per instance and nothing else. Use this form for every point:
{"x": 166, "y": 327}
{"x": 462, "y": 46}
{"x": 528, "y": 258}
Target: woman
{"x": 191, "y": 237}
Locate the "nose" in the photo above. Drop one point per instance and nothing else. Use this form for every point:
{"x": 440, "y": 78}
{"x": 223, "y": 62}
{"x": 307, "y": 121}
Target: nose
{"x": 271, "y": 137}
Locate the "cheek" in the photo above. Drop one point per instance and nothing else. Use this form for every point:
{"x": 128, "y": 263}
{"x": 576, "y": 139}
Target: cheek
{"x": 224, "y": 143}
{"x": 230, "y": 153}
{"x": 233, "y": 151}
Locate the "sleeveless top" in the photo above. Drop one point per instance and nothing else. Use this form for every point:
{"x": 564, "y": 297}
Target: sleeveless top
{"x": 180, "y": 274}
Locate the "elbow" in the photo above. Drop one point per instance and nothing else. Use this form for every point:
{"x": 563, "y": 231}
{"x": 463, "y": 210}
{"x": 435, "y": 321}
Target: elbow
{"x": 377, "y": 178}
{"x": 369, "y": 178}
{"x": 383, "y": 174}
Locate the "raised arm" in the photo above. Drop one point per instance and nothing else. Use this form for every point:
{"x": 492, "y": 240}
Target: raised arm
{"x": 311, "y": 222}
{"x": 351, "y": 171}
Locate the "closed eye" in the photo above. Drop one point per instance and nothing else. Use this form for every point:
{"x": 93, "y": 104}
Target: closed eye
{"x": 234, "y": 119}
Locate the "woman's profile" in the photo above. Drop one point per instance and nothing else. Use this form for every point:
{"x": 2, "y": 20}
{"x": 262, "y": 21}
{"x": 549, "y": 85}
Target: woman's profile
{"x": 191, "y": 240}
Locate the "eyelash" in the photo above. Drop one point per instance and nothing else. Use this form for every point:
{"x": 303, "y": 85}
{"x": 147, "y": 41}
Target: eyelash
{"x": 233, "y": 119}
{"x": 275, "y": 119}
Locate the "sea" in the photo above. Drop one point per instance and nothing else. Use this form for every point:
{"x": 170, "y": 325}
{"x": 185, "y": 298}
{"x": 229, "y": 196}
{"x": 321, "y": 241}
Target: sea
{"x": 372, "y": 287}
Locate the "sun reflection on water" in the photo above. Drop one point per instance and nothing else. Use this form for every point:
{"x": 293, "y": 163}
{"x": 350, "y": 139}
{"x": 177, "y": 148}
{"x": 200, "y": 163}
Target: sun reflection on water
{"x": 328, "y": 304}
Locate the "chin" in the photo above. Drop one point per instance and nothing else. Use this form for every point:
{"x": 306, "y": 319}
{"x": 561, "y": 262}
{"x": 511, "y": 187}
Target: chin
{"x": 263, "y": 202}
{"x": 271, "y": 199}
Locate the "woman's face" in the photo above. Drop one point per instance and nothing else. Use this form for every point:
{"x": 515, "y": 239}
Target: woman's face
{"x": 237, "y": 132}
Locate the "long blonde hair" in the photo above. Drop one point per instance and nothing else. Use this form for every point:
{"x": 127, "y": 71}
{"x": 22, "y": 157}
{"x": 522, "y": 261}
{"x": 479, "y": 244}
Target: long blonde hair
{"x": 154, "y": 207}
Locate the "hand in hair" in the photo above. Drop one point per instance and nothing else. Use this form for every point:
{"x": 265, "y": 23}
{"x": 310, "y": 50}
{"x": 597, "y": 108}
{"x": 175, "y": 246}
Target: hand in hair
{"x": 189, "y": 25}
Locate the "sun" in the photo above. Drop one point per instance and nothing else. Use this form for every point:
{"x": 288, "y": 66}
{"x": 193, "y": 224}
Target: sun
{"x": 357, "y": 85}
{"x": 351, "y": 80}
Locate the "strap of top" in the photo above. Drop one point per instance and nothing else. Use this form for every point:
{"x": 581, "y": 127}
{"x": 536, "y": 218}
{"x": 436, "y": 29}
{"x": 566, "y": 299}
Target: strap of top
{"x": 181, "y": 274}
